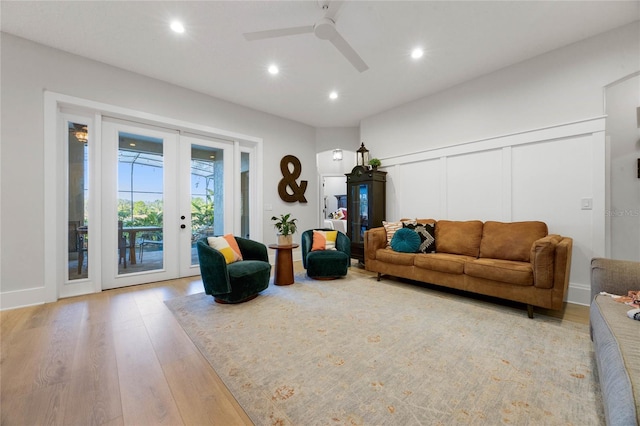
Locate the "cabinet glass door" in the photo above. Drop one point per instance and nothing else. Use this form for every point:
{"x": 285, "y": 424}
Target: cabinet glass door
{"x": 360, "y": 209}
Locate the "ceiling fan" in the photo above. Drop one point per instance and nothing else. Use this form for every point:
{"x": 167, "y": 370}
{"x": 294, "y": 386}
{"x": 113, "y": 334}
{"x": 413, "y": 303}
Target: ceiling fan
{"x": 324, "y": 29}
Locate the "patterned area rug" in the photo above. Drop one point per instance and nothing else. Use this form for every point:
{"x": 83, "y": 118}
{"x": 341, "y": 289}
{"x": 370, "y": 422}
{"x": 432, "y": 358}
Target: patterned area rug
{"x": 357, "y": 351}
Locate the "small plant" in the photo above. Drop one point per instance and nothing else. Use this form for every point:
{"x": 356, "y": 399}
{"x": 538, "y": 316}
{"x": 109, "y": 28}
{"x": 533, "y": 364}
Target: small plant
{"x": 284, "y": 225}
{"x": 375, "y": 163}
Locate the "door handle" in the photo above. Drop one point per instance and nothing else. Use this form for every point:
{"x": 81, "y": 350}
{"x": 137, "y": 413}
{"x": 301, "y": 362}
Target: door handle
{"x": 182, "y": 217}
{"x": 183, "y": 226}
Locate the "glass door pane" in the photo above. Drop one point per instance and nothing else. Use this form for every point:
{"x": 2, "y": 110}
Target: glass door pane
{"x": 245, "y": 194}
{"x": 78, "y": 199}
{"x": 140, "y": 241}
{"x": 207, "y": 194}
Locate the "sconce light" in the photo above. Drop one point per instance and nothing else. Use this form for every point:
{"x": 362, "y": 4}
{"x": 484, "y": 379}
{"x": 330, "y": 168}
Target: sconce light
{"x": 363, "y": 156}
{"x": 337, "y": 155}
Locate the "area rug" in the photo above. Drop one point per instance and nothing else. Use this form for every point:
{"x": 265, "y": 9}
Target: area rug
{"x": 357, "y": 351}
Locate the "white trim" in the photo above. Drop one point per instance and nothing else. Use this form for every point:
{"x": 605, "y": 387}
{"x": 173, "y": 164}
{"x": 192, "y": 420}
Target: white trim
{"x": 53, "y": 262}
{"x": 53, "y": 185}
{"x": 141, "y": 117}
{"x": 579, "y": 294}
{"x": 507, "y": 184}
{"x": 22, "y": 298}
{"x": 572, "y": 129}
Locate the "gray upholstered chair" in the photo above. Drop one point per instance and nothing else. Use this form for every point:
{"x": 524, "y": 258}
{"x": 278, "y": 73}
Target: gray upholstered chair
{"x": 235, "y": 282}
{"x": 326, "y": 264}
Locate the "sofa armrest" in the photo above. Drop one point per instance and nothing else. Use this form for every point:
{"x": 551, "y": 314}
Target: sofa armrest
{"x": 374, "y": 239}
{"x": 614, "y": 276}
{"x": 543, "y": 256}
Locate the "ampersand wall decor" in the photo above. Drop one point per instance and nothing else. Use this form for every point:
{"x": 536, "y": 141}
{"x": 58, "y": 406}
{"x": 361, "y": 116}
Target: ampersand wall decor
{"x": 289, "y": 180}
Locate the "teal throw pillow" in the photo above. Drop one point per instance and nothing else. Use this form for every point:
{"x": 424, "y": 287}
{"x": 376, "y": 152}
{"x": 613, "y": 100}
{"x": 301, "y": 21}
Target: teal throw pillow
{"x": 405, "y": 240}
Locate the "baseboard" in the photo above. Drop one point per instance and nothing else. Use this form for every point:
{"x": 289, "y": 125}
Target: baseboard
{"x": 22, "y": 298}
{"x": 579, "y": 294}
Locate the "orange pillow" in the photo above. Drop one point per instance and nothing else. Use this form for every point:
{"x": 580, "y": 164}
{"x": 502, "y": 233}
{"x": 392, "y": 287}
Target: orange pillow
{"x": 324, "y": 240}
{"x": 228, "y": 246}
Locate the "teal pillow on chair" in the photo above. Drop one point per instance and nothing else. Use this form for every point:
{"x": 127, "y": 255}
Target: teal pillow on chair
{"x": 405, "y": 240}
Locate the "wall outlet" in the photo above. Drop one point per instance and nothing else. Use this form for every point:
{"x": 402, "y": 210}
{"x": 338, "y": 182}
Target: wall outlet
{"x": 268, "y": 207}
{"x": 586, "y": 203}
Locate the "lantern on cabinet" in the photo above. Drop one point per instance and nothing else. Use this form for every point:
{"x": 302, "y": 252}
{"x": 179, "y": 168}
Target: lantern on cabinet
{"x": 363, "y": 156}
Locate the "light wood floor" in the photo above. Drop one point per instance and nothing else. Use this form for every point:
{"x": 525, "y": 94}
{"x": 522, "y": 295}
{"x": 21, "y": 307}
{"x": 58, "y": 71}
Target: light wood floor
{"x": 120, "y": 358}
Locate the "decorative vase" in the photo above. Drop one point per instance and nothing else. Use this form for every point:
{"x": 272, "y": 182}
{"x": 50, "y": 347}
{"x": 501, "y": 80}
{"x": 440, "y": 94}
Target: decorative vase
{"x": 285, "y": 240}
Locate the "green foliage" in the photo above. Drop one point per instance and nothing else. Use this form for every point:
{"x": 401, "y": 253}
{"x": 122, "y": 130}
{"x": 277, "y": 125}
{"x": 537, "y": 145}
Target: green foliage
{"x": 143, "y": 213}
{"x": 284, "y": 225}
{"x": 201, "y": 214}
{"x": 149, "y": 213}
{"x": 374, "y": 162}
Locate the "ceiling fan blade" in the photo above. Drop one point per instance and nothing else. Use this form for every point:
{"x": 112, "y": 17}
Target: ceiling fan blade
{"x": 347, "y": 51}
{"x": 332, "y": 10}
{"x": 281, "y": 32}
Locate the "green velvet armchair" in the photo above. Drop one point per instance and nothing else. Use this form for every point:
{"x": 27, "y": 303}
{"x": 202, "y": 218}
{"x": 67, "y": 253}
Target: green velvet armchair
{"x": 326, "y": 264}
{"x": 239, "y": 281}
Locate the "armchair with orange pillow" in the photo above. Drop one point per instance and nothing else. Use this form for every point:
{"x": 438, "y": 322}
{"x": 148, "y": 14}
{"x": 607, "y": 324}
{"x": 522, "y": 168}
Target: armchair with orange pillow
{"x": 326, "y": 253}
{"x": 233, "y": 269}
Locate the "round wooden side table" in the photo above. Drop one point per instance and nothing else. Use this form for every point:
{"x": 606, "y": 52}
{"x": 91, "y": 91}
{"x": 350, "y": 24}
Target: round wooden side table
{"x": 284, "y": 264}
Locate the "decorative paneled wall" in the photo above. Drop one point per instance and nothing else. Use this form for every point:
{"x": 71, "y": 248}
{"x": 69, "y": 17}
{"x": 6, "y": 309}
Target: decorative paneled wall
{"x": 550, "y": 174}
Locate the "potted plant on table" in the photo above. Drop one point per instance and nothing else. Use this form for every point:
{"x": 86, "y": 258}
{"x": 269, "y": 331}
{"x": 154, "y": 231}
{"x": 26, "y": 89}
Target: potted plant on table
{"x": 286, "y": 227}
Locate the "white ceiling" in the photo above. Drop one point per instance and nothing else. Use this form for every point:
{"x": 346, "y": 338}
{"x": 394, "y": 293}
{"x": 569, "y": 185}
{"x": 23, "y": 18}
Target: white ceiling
{"x": 462, "y": 39}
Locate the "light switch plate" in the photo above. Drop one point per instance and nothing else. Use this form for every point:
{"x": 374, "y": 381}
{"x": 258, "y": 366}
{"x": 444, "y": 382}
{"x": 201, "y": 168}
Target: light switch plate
{"x": 586, "y": 203}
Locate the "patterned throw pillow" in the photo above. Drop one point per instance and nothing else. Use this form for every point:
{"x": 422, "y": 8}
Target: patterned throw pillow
{"x": 324, "y": 240}
{"x": 392, "y": 227}
{"x": 427, "y": 234}
{"x": 405, "y": 240}
{"x": 226, "y": 245}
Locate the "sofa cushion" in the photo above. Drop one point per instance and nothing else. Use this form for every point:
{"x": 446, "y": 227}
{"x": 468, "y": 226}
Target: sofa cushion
{"x": 442, "y": 262}
{"x": 458, "y": 237}
{"x": 391, "y": 228}
{"x": 617, "y": 353}
{"x": 405, "y": 240}
{"x": 510, "y": 241}
{"x": 427, "y": 234}
{"x": 389, "y": 256}
{"x": 506, "y": 271}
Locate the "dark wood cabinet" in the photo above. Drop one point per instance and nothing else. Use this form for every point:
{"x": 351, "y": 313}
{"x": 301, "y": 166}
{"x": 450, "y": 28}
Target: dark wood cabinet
{"x": 366, "y": 205}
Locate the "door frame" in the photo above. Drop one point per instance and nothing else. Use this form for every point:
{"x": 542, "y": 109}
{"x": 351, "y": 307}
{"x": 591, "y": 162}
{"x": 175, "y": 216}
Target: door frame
{"x": 323, "y": 176}
{"x": 55, "y": 234}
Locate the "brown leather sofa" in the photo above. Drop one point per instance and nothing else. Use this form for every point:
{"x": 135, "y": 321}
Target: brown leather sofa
{"x": 517, "y": 261}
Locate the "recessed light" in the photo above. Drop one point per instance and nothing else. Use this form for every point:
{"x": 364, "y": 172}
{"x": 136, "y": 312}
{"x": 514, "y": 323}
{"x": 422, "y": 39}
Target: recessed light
{"x": 177, "y": 27}
{"x": 333, "y": 95}
{"x": 273, "y": 69}
{"x": 417, "y": 53}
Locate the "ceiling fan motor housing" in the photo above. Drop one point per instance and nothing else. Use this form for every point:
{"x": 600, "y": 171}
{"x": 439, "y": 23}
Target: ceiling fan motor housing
{"x": 325, "y": 29}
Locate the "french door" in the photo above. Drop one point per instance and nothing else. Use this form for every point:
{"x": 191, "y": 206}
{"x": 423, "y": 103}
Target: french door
{"x": 161, "y": 191}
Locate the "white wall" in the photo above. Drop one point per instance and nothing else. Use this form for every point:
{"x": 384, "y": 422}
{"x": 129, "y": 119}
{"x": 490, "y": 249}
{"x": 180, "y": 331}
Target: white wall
{"x": 622, "y": 101}
{"x": 560, "y": 86}
{"x": 545, "y": 179}
{"x": 28, "y": 69}
{"x": 330, "y": 138}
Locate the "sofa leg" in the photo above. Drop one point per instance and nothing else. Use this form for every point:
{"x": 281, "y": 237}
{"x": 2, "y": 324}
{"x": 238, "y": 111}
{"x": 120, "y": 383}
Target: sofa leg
{"x": 530, "y": 311}
{"x": 379, "y": 276}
